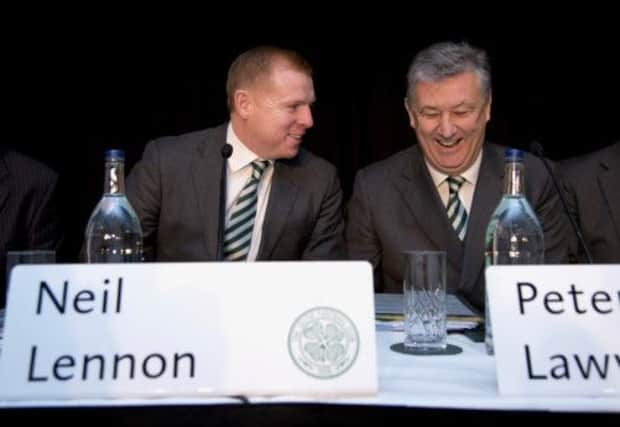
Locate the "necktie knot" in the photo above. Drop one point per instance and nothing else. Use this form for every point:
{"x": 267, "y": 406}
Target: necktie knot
{"x": 258, "y": 168}
{"x": 455, "y": 183}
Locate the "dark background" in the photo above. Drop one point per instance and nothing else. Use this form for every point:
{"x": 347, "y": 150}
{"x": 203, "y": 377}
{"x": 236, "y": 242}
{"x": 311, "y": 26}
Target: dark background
{"x": 72, "y": 92}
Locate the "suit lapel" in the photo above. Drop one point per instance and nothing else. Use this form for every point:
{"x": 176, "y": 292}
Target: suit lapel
{"x": 281, "y": 200}
{"x": 418, "y": 191}
{"x": 609, "y": 180}
{"x": 486, "y": 197}
{"x": 206, "y": 168}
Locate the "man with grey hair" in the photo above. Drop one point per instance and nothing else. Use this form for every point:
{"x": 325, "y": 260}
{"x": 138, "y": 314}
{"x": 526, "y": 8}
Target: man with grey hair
{"x": 440, "y": 193}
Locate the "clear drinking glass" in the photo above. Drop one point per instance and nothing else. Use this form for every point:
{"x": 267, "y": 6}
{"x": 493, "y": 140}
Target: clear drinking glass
{"x": 13, "y": 258}
{"x": 424, "y": 283}
{"x": 37, "y": 256}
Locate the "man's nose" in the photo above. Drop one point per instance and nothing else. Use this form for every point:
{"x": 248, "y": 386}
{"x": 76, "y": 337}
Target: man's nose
{"x": 446, "y": 127}
{"x": 305, "y": 117}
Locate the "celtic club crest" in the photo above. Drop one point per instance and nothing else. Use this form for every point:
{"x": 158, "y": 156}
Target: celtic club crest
{"x": 323, "y": 342}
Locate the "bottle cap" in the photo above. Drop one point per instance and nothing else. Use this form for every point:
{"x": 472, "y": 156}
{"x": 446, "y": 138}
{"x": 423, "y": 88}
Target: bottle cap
{"x": 513, "y": 155}
{"x": 114, "y": 155}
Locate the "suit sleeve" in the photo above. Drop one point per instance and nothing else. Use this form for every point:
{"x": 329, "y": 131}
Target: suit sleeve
{"x": 360, "y": 235}
{"x": 570, "y": 195}
{"x": 326, "y": 240}
{"x": 554, "y": 222}
{"x": 44, "y": 230}
{"x": 144, "y": 193}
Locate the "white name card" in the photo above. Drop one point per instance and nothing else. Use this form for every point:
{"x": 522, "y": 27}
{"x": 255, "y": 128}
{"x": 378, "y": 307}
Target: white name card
{"x": 189, "y": 329}
{"x": 556, "y": 329}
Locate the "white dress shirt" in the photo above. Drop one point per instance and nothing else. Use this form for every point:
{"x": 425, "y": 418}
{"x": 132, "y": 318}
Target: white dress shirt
{"x": 466, "y": 193}
{"x": 238, "y": 172}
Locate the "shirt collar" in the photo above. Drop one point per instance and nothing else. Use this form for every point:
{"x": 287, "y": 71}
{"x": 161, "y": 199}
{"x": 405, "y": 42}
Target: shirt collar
{"x": 470, "y": 175}
{"x": 241, "y": 155}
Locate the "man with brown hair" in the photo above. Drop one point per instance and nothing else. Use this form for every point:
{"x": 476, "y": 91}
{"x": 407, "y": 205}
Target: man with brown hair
{"x": 281, "y": 202}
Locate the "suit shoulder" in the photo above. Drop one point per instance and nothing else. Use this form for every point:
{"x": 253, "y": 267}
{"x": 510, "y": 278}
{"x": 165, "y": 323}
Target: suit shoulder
{"x": 28, "y": 169}
{"x": 307, "y": 159}
{"x": 535, "y": 170}
{"x": 179, "y": 145}
{"x": 590, "y": 161}
{"x": 395, "y": 162}
{"x": 498, "y": 152}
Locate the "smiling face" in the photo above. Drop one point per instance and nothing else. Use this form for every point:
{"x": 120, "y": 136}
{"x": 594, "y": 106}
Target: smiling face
{"x": 274, "y": 113}
{"x": 449, "y": 117}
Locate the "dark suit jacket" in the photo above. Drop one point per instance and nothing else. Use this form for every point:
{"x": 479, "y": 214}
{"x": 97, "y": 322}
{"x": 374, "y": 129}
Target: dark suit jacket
{"x": 395, "y": 207}
{"x": 175, "y": 190}
{"x": 592, "y": 187}
{"x": 28, "y": 217}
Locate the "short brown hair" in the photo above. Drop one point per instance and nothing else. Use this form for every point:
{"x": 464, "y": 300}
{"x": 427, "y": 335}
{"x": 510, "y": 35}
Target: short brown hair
{"x": 256, "y": 63}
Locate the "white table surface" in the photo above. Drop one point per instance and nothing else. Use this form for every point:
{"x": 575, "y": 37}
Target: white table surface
{"x": 463, "y": 381}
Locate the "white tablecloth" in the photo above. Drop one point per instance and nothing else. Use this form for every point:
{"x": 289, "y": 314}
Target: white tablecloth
{"x": 463, "y": 381}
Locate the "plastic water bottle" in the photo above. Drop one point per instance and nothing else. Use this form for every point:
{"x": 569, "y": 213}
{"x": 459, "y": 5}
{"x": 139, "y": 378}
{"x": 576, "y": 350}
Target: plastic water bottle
{"x": 113, "y": 233}
{"x": 514, "y": 234}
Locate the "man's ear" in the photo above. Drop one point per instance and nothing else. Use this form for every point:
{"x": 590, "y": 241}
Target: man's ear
{"x": 412, "y": 119}
{"x": 243, "y": 103}
{"x": 487, "y": 112}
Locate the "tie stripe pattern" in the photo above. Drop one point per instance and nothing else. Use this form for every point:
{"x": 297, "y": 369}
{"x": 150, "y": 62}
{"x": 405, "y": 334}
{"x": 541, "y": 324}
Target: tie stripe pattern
{"x": 457, "y": 215}
{"x": 238, "y": 233}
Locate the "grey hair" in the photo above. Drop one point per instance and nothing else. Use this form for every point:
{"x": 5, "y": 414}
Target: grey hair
{"x": 448, "y": 59}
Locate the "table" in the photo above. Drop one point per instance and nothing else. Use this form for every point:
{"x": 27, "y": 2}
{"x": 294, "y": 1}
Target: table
{"x": 447, "y": 389}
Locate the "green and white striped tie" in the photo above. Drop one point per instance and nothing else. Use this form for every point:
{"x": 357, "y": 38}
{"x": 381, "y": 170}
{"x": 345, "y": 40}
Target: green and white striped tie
{"x": 238, "y": 233}
{"x": 457, "y": 215}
